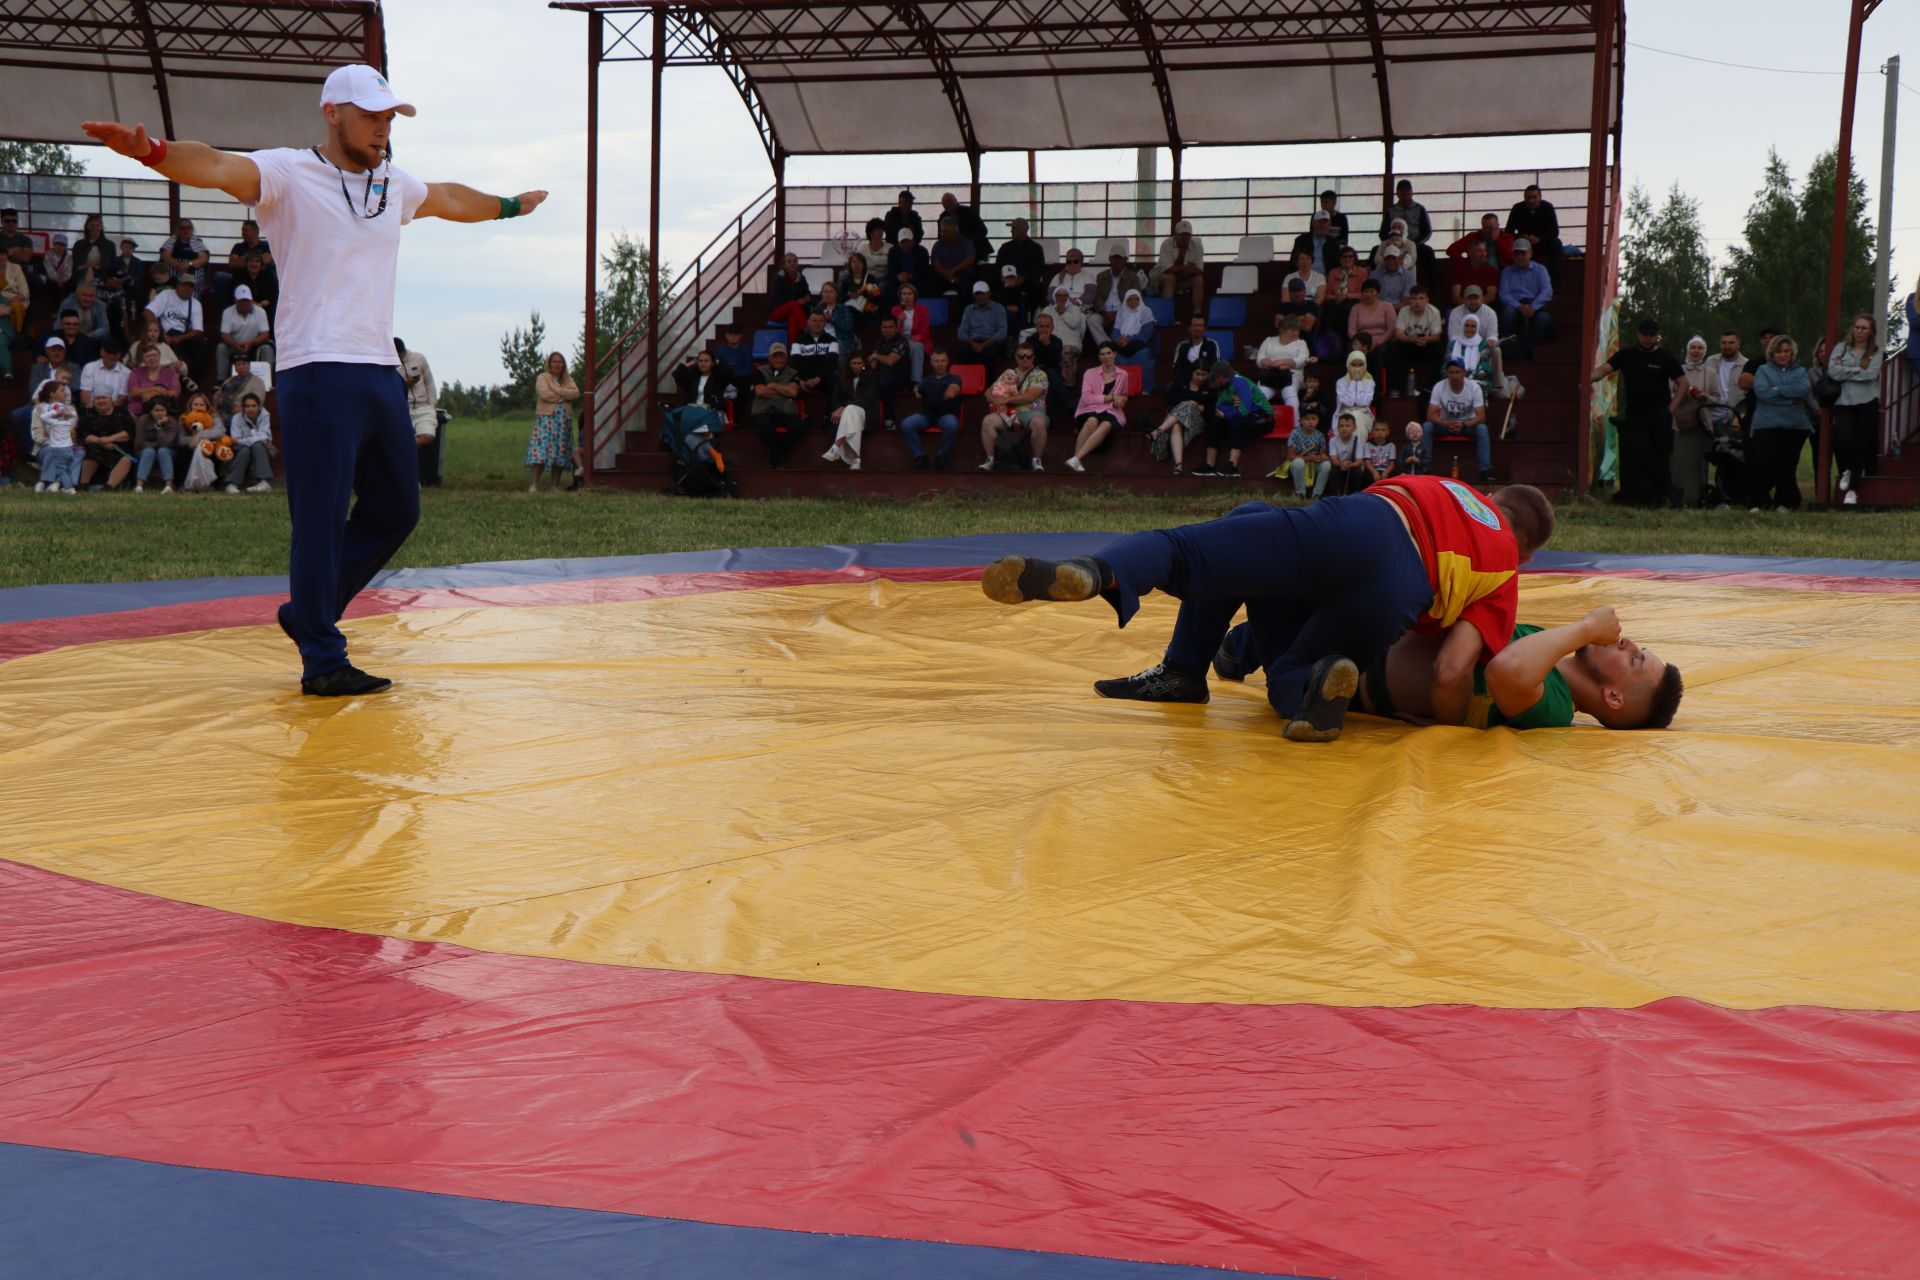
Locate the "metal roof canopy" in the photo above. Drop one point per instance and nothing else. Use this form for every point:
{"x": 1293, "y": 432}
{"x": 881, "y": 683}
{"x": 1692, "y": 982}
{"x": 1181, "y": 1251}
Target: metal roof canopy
{"x": 1024, "y": 75}
{"x": 237, "y": 74}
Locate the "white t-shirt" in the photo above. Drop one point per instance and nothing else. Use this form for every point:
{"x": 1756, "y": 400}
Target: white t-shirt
{"x": 337, "y": 268}
{"x": 1458, "y": 406}
{"x": 1347, "y": 450}
{"x": 96, "y": 377}
{"x": 176, "y": 314}
{"x": 244, "y": 328}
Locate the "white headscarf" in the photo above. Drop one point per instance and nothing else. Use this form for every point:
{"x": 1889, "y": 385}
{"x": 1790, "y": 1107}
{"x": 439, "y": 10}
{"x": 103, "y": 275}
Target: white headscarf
{"x": 1360, "y": 358}
{"x": 1705, "y": 351}
{"x": 1132, "y": 317}
{"x": 1467, "y": 350}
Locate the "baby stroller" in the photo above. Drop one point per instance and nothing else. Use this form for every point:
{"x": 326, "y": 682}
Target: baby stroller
{"x": 699, "y": 470}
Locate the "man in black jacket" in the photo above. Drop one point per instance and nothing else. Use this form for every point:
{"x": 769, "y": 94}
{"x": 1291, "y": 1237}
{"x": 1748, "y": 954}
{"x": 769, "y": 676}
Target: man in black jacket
{"x": 1021, "y": 291}
{"x": 904, "y": 215}
{"x": 1535, "y": 219}
{"x": 1197, "y": 349}
{"x": 1321, "y": 242}
{"x": 972, "y": 229}
{"x": 1330, "y": 205}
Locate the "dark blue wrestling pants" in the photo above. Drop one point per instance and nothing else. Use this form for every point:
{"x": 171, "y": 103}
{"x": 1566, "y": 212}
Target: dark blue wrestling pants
{"x": 353, "y": 490}
{"x": 1339, "y": 577}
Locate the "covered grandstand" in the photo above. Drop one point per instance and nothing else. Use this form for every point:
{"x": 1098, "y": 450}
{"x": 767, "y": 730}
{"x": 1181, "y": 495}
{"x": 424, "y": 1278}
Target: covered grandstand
{"x": 1030, "y": 75}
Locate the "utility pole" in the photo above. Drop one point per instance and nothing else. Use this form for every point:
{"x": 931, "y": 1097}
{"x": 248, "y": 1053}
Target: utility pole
{"x": 1883, "y": 279}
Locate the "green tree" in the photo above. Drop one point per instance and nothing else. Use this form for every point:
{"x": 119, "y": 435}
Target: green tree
{"x": 1665, "y": 270}
{"x": 523, "y": 352}
{"x": 42, "y": 158}
{"x": 620, "y": 306}
{"x": 1778, "y": 274}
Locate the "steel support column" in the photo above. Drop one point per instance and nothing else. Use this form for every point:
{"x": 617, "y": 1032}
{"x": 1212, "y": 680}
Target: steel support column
{"x": 1837, "y": 239}
{"x": 1596, "y": 246}
{"x": 373, "y": 41}
{"x": 589, "y": 414}
{"x": 1379, "y": 52}
{"x": 779, "y": 205}
{"x": 151, "y": 39}
{"x": 1143, "y": 30}
{"x": 659, "y": 67}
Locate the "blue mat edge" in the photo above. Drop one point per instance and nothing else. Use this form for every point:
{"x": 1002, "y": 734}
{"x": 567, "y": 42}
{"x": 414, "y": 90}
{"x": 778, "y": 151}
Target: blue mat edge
{"x": 70, "y": 1213}
{"x": 22, "y": 604}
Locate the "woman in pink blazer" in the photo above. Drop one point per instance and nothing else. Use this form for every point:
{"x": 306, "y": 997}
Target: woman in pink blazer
{"x": 1103, "y": 406}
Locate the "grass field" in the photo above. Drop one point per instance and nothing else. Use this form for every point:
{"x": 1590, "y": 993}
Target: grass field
{"x": 484, "y": 513}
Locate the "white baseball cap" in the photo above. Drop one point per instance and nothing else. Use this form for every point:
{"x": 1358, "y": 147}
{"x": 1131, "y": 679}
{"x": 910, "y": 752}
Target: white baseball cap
{"x": 364, "y": 87}
{"x": 243, "y": 294}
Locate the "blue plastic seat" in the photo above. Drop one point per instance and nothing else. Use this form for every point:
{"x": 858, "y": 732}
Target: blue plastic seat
{"x": 764, "y": 339}
{"x": 1226, "y": 313}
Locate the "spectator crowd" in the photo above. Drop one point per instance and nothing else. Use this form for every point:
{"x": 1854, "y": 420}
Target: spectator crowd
{"x": 139, "y": 369}
{"x": 1075, "y": 350}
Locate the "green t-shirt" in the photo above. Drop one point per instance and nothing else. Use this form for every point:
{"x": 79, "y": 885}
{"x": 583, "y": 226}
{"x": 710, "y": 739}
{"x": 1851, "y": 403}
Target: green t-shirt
{"x": 1554, "y": 710}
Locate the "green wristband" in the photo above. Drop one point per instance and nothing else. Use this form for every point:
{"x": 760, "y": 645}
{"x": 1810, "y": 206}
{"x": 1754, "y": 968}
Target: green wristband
{"x": 509, "y": 207}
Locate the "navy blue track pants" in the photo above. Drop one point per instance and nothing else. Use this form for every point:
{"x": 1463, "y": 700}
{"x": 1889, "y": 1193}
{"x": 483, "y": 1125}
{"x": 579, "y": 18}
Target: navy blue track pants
{"x": 1338, "y": 577}
{"x": 353, "y": 490}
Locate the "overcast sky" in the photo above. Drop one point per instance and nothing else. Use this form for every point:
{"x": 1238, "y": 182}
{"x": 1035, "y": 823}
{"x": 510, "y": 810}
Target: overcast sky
{"x": 502, "y": 100}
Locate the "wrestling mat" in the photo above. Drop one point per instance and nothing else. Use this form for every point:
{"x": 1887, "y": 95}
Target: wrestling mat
{"x": 801, "y": 913}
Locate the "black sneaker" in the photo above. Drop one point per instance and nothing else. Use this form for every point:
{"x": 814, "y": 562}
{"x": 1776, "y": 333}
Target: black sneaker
{"x": 1329, "y": 689}
{"x": 1158, "y": 683}
{"x": 1224, "y": 664}
{"x": 344, "y": 682}
{"x": 943, "y": 463}
{"x": 1014, "y": 579}
{"x": 1486, "y": 477}
{"x": 1203, "y": 470}
{"x": 921, "y": 464}
{"x": 1231, "y": 471}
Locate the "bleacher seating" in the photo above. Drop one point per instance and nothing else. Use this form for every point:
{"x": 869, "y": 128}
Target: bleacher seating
{"x": 1539, "y": 452}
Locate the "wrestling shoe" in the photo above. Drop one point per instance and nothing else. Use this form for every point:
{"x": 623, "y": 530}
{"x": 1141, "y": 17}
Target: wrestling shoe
{"x": 343, "y": 682}
{"x": 1015, "y": 579}
{"x": 1158, "y": 683}
{"x": 1225, "y": 666}
{"x": 1329, "y": 689}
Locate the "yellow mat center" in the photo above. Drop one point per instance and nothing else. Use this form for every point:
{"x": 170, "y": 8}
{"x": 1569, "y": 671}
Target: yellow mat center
{"x": 905, "y": 786}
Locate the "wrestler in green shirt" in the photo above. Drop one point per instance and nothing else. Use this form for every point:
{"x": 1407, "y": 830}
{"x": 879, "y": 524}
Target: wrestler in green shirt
{"x": 1554, "y": 710}
{"x": 1538, "y": 681}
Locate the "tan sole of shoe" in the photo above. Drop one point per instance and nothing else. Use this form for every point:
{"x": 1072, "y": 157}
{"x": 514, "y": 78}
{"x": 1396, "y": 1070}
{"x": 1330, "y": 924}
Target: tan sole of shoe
{"x": 1001, "y": 582}
{"x": 1342, "y": 682}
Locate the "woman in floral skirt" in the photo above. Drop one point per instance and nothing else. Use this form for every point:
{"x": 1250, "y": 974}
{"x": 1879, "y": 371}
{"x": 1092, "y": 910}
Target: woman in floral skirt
{"x": 552, "y": 442}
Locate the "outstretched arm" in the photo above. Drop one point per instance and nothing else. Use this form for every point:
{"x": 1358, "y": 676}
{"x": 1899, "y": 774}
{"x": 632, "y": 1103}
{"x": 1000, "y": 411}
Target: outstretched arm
{"x": 1516, "y": 677}
{"x": 191, "y": 164}
{"x": 457, "y": 203}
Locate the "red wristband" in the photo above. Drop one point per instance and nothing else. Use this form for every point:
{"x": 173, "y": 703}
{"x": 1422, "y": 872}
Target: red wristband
{"x": 153, "y": 158}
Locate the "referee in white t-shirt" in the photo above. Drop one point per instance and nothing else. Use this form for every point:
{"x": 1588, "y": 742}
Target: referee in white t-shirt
{"x": 334, "y": 213}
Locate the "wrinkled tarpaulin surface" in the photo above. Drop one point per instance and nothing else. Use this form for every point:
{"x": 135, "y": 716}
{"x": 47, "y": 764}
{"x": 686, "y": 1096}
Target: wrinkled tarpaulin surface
{"x": 803, "y": 894}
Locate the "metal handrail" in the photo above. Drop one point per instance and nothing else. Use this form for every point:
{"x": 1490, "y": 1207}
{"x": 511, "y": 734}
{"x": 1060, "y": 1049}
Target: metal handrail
{"x": 732, "y": 230}
{"x": 135, "y": 208}
{"x": 1899, "y": 402}
{"x": 1221, "y": 209}
{"x": 699, "y": 296}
